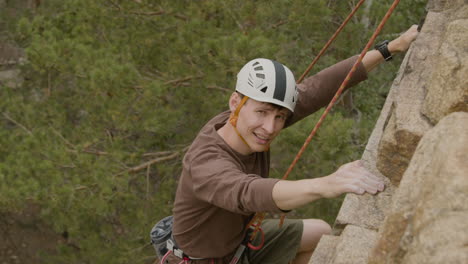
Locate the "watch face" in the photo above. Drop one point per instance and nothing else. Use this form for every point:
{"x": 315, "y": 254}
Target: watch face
{"x": 382, "y": 47}
{"x": 382, "y": 44}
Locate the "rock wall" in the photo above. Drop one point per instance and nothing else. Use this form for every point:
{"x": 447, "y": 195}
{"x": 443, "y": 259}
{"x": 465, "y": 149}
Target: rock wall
{"x": 420, "y": 148}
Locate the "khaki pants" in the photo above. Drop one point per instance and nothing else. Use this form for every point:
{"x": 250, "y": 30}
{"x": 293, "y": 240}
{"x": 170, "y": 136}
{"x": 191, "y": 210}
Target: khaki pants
{"x": 281, "y": 246}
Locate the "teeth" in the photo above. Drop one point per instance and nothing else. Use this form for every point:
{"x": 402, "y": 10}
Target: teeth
{"x": 261, "y": 137}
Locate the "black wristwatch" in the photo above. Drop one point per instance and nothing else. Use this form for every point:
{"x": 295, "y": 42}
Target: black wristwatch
{"x": 383, "y": 48}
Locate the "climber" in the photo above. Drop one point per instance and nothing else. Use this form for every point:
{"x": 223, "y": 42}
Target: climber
{"x": 225, "y": 172}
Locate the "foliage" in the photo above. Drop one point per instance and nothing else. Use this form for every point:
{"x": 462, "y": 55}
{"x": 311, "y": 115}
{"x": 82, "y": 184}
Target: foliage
{"x": 112, "y": 84}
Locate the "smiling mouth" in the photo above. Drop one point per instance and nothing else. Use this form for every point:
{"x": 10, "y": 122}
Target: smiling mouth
{"x": 261, "y": 139}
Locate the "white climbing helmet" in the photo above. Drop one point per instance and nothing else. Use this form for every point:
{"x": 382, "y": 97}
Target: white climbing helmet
{"x": 268, "y": 81}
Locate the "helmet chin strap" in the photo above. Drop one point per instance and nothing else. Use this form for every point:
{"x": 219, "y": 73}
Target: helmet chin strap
{"x": 235, "y": 116}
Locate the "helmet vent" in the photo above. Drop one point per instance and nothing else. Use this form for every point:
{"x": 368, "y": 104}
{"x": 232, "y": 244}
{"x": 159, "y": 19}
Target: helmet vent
{"x": 259, "y": 68}
{"x": 264, "y": 89}
{"x": 260, "y": 75}
{"x": 256, "y": 63}
{"x": 249, "y": 81}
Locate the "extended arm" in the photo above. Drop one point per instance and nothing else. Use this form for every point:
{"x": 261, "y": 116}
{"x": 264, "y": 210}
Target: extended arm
{"x": 400, "y": 44}
{"x": 349, "y": 178}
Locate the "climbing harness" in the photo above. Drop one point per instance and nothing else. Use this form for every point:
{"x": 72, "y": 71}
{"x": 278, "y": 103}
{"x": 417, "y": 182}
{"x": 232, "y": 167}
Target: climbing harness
{"x": 258, "y": 218}
{"x": 165, "y": 245}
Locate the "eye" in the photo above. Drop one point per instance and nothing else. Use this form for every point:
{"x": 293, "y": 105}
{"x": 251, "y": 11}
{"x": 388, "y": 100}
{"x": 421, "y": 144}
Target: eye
{"x": 281, "y": 117}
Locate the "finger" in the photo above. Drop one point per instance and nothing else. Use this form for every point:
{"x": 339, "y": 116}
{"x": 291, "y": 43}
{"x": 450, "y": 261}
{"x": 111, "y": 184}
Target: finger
{"x": 366, "y": 180}
{"x": 374, "y": 178}
{"x": 354, "y": 188}
{"x": 374, "y": 181}
{"x": 371, "y": 188}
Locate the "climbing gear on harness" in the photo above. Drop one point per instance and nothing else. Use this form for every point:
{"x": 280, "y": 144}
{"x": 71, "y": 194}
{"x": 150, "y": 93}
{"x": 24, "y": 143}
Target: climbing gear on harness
{"x": 382, "y": 47}
{"x": 268, "y": 81}
{"x": 164, "y": 243}
{"x": 160, "y": 233}
{"x": 255, "y": 229}
{"x": 172, "y": 248}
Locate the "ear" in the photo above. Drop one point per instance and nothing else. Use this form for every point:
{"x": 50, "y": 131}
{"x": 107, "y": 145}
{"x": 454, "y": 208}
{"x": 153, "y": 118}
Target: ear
{"x": 234, "y": 101}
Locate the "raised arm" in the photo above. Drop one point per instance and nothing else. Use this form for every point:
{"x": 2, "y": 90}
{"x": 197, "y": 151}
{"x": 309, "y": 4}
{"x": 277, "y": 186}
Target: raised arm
{"x": 400, "y": 44}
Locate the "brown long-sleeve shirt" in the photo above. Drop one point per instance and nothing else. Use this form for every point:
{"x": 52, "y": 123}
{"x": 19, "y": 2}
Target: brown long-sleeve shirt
{"x": 220, "y": 189}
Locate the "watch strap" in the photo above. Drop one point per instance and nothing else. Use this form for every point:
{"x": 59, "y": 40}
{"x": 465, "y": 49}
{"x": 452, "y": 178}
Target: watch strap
{"x": 382, "y": 47}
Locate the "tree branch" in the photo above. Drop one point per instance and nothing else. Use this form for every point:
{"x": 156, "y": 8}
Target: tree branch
{"x": 115, "y": 5}
{"x": 17, "y": 123}
{"x": 219, "y": 88}
{"x": 148, "y": 169}
{"x": 281, "y": 22}
{"x": 180, "y": 16}
{"x": 188, "y": 78}
{"x": 157, "y": 154}
{"x": 154, "y": 13}
{"x": 153, "y": 161}
{"x": 96, "y": 152}
{"x": 144, "y": 165}
{"x": 64, "y": 139}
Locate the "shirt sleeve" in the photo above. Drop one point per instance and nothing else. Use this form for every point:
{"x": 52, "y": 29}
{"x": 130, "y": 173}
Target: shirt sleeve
{"x": 219, "y": 181}
{"x": 318, "y": 90}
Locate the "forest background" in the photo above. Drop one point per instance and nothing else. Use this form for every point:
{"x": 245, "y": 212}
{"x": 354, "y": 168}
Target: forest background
{"x": 114, "y": 92}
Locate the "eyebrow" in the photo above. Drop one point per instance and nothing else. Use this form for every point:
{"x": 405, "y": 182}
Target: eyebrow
{"x": 269, "y": 106}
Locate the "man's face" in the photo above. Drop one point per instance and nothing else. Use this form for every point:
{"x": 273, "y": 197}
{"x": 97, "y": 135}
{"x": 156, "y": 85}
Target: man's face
{"x": 259, "y": 123}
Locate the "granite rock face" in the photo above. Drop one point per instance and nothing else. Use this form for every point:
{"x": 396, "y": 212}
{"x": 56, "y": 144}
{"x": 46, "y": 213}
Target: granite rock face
{"x": 427, "y": 222}
{"x": 406, "y": 125}
{"x": 419, "y": 146}
{"x": 447, "y": 88}
{"x": 355, "y": 245}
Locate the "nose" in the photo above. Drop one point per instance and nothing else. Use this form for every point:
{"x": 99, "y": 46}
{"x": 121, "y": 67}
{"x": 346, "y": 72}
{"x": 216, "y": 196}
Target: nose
{"x": 269, "y": 124}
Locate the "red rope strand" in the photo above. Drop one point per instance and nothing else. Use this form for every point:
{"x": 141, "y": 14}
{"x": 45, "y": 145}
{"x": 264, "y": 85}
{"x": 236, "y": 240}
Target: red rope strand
{"x": 340, "y": 90}
{"x": 338, "y": 31}
{"x": 258, "y": 217}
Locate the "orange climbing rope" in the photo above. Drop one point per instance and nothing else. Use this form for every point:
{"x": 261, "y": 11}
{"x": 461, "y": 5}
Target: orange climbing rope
{"x": 329, "y": 42}
{"x": 258, "y": 218}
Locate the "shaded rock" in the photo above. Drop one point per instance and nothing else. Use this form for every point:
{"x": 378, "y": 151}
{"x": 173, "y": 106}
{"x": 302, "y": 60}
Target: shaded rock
{"x": 443, "y": 240}
{"x": 11, "y": 78}
{"x": 10, "y": 55}
{"x": 397, "y": 147}
{"x": 447, "y": 91}
{"x": 325, "y": 250}
{"x": 389, "y": 245}
{"x": 427, "y": 222}
{"x": 355, "y": 245}
{"x": 406, "y": 125}
{"x": 366, "y": 211}
{"x": 441, "y": 5}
